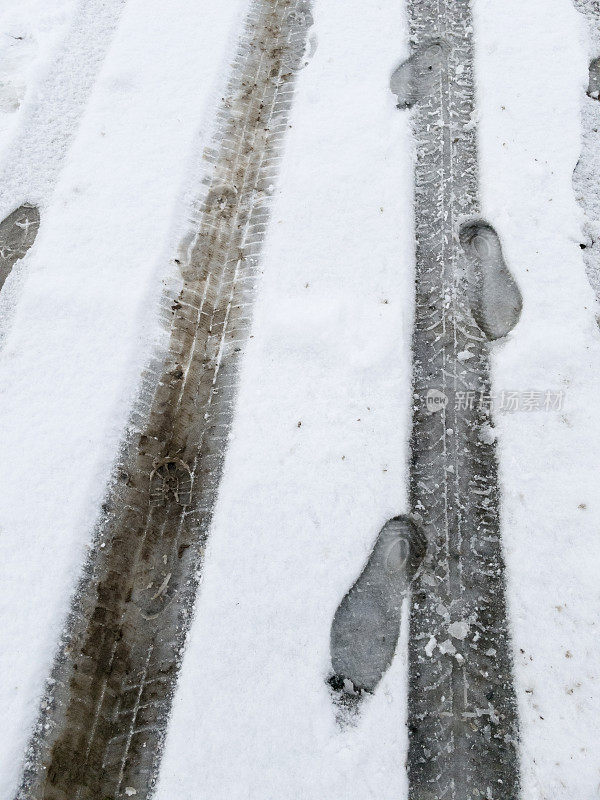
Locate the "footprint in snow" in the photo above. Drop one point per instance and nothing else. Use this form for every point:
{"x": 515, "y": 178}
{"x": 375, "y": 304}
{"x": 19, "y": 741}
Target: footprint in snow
{"x": 366, "y": 625}
{"x": 418, "y": 76}
{"x": 17, "y": 234}
{"x": 496, "y": 301}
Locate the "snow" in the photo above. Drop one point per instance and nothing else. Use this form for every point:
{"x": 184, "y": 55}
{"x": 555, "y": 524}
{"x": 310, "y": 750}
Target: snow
{"x": 52, "y": 108}
{"x": 253, "y": 716}
{"x": 532, "y": 73}
{"x": 29, "y": 31}
{"x": 84, "y": 321}
{"x": 111, "y": 153}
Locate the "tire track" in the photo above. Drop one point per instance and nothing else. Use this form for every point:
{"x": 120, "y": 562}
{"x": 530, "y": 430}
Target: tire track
{"x": 103, "y": 722}
{"x": 462, "y": 711}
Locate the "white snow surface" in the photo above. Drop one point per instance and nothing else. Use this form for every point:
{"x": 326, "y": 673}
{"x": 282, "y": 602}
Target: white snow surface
{"x": 29, "y": 29}
{"x": 84, "y": 322}
{"x": 532, "y": 69}
{"x": 300, "y": 505}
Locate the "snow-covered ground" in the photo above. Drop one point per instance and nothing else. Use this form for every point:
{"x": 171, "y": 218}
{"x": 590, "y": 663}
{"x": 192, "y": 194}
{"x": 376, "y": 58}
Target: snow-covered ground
{"x": 29, "y": 32}
{"x": 532, "y": 73}
{"x": 318, "y": 455}
{"x": 82, "y": 321}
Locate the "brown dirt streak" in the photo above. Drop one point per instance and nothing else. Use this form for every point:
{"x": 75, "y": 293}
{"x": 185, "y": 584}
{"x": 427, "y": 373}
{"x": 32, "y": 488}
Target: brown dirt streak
{"x": 105, "y": 720}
